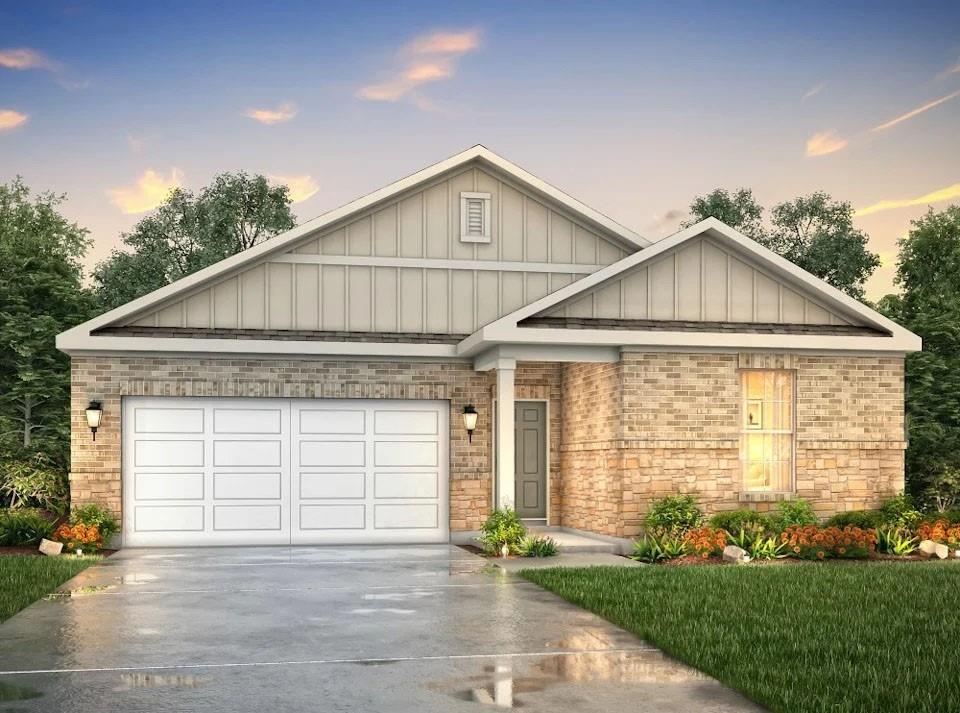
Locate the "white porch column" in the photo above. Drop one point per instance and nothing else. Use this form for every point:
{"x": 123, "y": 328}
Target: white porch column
{"x": 506, "y": 369}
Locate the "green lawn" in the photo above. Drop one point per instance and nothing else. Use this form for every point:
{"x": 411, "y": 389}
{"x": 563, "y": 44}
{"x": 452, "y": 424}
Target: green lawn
{"x": 26, "y": 578}
{"x": 802, "y": 638}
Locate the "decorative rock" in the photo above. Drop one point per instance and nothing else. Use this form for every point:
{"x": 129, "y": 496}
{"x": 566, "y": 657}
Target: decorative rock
{"x": 50, "y": 548}
{"x": 732, "y": 553}
{"x": 928, "y": 547}
{"x": 941, "y": 551}
{"x": 957, "y": 554}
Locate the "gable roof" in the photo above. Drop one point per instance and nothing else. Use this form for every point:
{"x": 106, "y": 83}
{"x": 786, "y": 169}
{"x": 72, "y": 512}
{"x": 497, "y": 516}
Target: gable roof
{"x": 79, "y": 337}
{"x": 507, "y": 329}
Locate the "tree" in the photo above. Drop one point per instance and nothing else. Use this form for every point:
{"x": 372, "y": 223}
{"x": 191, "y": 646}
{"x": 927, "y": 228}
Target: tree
{"x": 928, "y": 274}
{"x": 814, "y": 232}
{"x": 187, "y": 233}
{"x": 41, "y": 294}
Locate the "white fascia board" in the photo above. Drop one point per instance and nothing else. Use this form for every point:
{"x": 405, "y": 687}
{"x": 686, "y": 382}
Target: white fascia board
{"x": 491, "y": 358}
{"x": 282, "y": 241}
{"x": 76, "y": 345}
{"x": 713, "y": 227}
{"x": 560, "y": 338}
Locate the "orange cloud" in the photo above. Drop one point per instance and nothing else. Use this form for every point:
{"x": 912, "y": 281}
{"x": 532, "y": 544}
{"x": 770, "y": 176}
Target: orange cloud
{"x": 147, "y": 193}
{"x": 825, "y": 142}
{"x": 429, "y": 58}
{"x": 915, "y": 112}
{"x": 937, "y": 196}
{"x": 11, "y": 119}
{"x": 300, "y": 187}
{"x": 26, "y": 58}
{"x": 284, "y": 112}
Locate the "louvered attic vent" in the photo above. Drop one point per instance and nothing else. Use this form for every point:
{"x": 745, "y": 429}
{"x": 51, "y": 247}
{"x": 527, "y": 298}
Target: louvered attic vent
{"x": 474, "y": 217}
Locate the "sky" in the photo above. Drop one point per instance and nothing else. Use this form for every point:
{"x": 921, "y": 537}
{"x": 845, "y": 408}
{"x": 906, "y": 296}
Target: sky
{"x": 633, "y": 108}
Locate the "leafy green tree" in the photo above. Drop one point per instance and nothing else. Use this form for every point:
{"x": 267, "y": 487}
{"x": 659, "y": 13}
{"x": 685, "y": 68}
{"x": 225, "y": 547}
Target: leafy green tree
{"x": 41, "y": 294}
{"x": 814, "y": 232}
{"x": 188, "y": 232}
{"x": 928, "y": 274}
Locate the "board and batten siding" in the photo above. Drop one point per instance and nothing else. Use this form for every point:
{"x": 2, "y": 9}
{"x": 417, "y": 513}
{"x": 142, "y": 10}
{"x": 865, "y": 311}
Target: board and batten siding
{"x": 402, "y": 267}
{"x": 702, "y": 282}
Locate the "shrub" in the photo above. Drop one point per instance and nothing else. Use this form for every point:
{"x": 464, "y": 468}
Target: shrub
{"x": 34, "y": 482}
{"x": 537, "y": 546}
{"x": 793, "y": 513}
{"x": 79, "y": 536}
{"x": 746, "y": 535}
{"x": 23, "y": 527}
{"x": 864, "y": 519}
{"x": 674, "y": 514}
{"x": 735, "y": 520}
{"x": 896, "y": 541}
{"x": 96, "y": 516}
{"x": 819, "y": 543}
{"x": 767, "y": 547}
{"x": 899, "y": 511}
{"x": 951, "y": 516}
{"x": 940, "y": 531}
{"x": 502, "y": 529}
{"x": 658, "y": 547}
{"x": 704, "y": 541}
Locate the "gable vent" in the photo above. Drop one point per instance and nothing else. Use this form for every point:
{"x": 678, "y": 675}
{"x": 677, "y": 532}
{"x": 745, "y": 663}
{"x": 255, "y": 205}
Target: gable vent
{"x": 475, "y": 217}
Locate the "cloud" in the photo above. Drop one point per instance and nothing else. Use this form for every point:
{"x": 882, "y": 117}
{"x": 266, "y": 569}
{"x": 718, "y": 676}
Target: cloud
{"x": 428, "y": 58}
{"x": 825, "y": 142}
{"x": 284, "y": 112}
{"x": 668, "y": 221}
{"x": 953, "y": 69}
{"x": 149, "y": 191}
{"x": 11, "y": 119}
{"x": 26, "y": 58}
{"x": 813, "y": 91}
{"x": 915, "y": 112}
{"x": 937, "y": 196}
{"x": 300, "y": 187}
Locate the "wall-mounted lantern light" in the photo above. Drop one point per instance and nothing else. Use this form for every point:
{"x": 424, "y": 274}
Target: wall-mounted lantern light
{"x": 469, "y": 420}
{"x": 94, "y": 414}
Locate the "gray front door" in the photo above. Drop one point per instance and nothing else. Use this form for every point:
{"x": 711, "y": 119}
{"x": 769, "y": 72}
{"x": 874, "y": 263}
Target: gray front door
{"x": 530, "y": 433}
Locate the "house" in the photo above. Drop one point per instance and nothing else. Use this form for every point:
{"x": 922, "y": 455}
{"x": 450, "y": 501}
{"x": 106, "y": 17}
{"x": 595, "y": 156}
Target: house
{"x": 318, "y": 387}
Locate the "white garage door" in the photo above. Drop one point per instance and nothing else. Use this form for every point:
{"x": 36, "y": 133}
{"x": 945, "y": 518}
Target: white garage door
{"x": 281, "y": 471}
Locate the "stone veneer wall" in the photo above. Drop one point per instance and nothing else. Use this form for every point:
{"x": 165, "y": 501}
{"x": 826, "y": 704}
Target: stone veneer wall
{"x": 662, "y": 423}
{"x": 95, "y": 475}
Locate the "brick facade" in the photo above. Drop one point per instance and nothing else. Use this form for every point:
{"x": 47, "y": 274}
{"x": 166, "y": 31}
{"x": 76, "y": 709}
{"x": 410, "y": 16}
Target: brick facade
{"x": 621, "y": 434}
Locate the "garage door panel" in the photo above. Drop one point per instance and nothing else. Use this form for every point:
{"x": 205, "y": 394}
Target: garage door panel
{"x": 332, "y": 454}
{"x": 406, "y": 485}
{"x": 332, "y": 421}
{"x": 168, "y": 518}
{"x": 405, "y": 453}
{"x": 405, "y": 423}
{"x": 168, "y": 453}
{"x": 168, "y": 486}
{"x": 246, "y": 517}
{"x": 247, "y": 486}
{"x": 332, "y": 486}
{"x": 257, "y": 421}
{"x": 406, "y": 516}
{"x": 332, "y": 517}
{"x": 247, "y": 453}
{"x": 168, "y": 420}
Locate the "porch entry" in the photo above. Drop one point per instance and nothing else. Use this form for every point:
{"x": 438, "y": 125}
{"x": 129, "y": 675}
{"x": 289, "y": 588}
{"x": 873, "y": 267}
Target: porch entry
{"x": 530, "y": 459}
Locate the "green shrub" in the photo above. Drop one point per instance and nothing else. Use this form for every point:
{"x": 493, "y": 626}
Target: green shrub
{"x": 767, "y": 547}
{"x": 23, "y": 527}
{"x": 896, "y": 540}
{"x": 735, "y": 520}
{"x": 746, "y": 535}
{"x": 658, "y": 547}
{"x": 502, "y": 529}
{"x": 537, "y": 546}
{"x": 34, "y": 482}
{"x": 900, "y": 511}
{"x": 793, "y": 513}
{"x": 951, "y": 516}
{"x": 674, "y": 514}
{"x": 93, "y": 514}
{"x": 864, "y": 519}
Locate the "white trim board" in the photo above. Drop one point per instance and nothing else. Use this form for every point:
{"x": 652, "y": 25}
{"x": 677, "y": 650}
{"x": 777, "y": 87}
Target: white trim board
{"x": 437, "y": 263}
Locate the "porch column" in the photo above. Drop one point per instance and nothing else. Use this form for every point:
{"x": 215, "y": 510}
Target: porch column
{"x": 506, "y": 370}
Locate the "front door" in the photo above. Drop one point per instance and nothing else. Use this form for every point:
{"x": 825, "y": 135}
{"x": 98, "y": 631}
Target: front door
{"x": 530, "y": 434}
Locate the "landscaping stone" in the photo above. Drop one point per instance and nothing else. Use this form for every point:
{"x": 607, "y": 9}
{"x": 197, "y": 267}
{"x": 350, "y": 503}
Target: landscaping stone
{"x": 928, "y": 547}
{"x": 956, "y": 554}
{"x": 50, "y": 548}
{"x": 941, "y": 551}
{"x": 732, "y": 553}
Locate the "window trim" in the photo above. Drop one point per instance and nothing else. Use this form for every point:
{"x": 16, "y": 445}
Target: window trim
{"x": 487, "y": 199}
{"x": 745, "y": 431}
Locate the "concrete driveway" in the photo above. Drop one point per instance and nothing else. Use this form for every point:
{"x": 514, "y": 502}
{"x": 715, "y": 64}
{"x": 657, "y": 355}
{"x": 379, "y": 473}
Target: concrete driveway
{"x": 419, "y": 628}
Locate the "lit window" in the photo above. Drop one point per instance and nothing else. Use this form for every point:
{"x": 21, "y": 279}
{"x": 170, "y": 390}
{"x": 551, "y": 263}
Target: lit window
{"x": 475, "y": 217}
{"x": 766, "y": 443}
